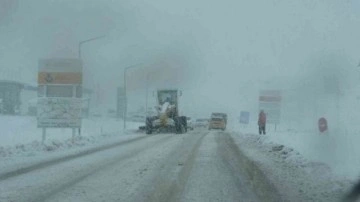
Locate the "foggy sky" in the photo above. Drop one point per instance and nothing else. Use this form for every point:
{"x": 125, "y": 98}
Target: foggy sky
{"x": 223, "y": 51}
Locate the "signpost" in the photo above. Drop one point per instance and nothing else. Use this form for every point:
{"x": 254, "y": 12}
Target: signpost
{"x": 244, "y": 117}
{"x": 270, "y": 102}
{"x": 59, "y": 94}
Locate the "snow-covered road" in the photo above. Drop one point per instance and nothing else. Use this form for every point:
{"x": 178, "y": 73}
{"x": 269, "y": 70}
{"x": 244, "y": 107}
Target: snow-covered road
{"x": 198, "y": 166}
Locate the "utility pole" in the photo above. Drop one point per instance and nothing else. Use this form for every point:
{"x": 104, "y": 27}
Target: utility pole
{"x": 86, "y": 41}
{"x": 125, "y": 97}
{"x": 80, "y": 57}
{"x": 147, "y": 94}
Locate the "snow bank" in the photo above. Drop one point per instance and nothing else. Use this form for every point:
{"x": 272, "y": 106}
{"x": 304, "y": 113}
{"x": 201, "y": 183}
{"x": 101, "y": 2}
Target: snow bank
{"x": 338, "y": 149}
{"x": 36, "y": 147}
{"x": 23, "y": 129}
{"x": 20, "y": 135}
{"x": 294, "y": 175}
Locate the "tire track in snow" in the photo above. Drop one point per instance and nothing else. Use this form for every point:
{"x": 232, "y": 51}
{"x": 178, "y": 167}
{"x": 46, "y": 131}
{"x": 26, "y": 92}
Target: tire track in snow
{"x": 212, "y": 179}
{"x": 170, "y": 181}
{"x": 54, "y": 188}
{"x": 238, "y": 162}
{"x": 124, "y": 180}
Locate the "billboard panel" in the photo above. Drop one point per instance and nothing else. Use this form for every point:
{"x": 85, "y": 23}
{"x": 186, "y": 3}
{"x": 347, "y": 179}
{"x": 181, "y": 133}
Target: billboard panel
{"x": 59, "y": 112}
{"x": 60, "y": 71}
{"x": 60, "y": 65}
{"x": 59, "y": 93}
{"x": 60, "y": 78}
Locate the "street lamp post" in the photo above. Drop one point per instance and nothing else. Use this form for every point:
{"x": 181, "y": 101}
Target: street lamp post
{"x": 147, "y": 94}
{"x": 125, "y": 100}
{"x": 79, "y": 47}
{"x": 86, "y": 41}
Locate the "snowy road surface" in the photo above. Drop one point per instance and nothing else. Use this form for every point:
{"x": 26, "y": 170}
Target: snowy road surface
{"x": 198, "y": 166}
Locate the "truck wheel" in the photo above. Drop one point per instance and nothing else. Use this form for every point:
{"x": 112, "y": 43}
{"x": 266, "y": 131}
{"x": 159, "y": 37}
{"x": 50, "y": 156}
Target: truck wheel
{"x": 148, "y": 131}
{"x": 183, "y": 122}
{"x": 179, "y": 125}
{"x": 181, "y": 129}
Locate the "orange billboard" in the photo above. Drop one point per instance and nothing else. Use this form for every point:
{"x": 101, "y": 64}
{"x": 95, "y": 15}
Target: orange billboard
{"x": 60, "y": 71}
{"x": 59, "y": 78}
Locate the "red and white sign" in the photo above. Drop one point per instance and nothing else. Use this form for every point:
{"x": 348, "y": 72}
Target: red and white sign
{"x": 270, "y": 102}
{"x": 269, "y": 98}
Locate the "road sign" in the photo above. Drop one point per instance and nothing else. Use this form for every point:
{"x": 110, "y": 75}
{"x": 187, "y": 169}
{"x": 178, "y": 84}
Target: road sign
{"x": 244, "y": 117}
{"x": 322, "y": 124}
{"x": 59, "y": 93}
{"x": 60, "y": 71}
{"x": 270, "y": 102}
{"x": 60, "y": 78}
{"x": 59, "y": 112}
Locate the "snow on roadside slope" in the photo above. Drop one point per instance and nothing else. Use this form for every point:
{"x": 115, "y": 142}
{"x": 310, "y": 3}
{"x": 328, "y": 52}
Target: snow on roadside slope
{"x": 293, "y": 174}
{"x": 20, "y": 136}
{"x": 338, "y": 149}
{"x": 23, "y": 129}
{"x": 23, "y": 155}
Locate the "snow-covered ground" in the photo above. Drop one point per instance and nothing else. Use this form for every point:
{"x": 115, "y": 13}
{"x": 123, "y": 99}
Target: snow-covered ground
{"x": 325, "y": 163}
{"x": 336, "y": 149}
{"x": 339, "y": 151}
{"x": 17, "y": 130}
{"x": 198, "y": 166}
{"x": 302, "y": 164}
{"x": 20, "y": 139}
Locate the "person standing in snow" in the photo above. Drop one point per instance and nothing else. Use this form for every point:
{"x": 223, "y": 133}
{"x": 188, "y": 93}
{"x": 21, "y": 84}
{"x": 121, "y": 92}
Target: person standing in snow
{"x": 262, "y": 122}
